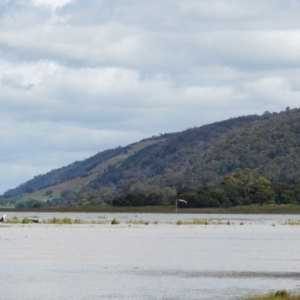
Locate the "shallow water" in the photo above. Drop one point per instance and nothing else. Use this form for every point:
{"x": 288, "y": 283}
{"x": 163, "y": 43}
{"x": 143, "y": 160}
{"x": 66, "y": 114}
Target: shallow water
{"x": 156, "y": 261}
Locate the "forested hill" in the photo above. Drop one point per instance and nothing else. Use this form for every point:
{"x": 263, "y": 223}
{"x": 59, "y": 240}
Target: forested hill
{"x": 269, "y": 145}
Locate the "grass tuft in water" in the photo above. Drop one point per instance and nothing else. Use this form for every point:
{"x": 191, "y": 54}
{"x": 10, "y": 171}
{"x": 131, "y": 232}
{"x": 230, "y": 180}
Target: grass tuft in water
{"x": 115, "y": 221}
{"x": 25, "y": 221}
{"x": 179, "y": 222}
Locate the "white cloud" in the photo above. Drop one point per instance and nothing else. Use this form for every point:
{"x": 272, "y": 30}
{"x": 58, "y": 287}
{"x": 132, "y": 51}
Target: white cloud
{"x": 54, "y": 4}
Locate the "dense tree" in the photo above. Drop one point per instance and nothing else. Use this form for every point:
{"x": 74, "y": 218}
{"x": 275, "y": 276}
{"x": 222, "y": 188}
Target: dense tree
{"x": 154, "y": 199}
{"x": 137, "y": 199}
{"x": 261, "y": 191}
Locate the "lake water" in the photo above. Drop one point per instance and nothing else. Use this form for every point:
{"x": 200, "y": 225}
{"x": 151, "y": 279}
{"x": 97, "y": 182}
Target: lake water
{"x": 155, "y": 261}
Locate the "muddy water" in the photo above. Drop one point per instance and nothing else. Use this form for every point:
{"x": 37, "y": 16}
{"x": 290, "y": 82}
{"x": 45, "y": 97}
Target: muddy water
{"x": 155, "y": 261}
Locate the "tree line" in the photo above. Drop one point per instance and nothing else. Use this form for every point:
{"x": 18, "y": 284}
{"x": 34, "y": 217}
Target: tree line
{"x": 238, "y": 188}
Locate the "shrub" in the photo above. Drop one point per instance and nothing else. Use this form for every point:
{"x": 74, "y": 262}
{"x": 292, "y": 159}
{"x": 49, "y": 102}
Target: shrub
{"x": 48, "y": 193}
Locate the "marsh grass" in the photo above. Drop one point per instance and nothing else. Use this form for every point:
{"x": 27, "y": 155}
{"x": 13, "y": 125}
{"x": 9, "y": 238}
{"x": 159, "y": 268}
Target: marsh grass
{"x": 13, "y": 220}
{"x": 279, "y": 295}
{"x": 193, "y": 222}
{"x": 200, "y": 222}
{"x": 78, "y": 221}
{"x": 63, "y": 221}
{"x": 292, "y": 222}
{"x": 137, "y": 222}
{"x": 96, "y": 222}
{"x": 203, "y": 222}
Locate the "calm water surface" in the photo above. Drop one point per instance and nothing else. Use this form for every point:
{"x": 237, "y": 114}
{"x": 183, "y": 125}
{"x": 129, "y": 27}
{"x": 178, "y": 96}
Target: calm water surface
{"x": 155, "y": 261}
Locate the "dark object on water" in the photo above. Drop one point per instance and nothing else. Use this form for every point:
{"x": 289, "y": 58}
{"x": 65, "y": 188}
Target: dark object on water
{"x": 3, "y": 218}
{"x": 35, "y": 220}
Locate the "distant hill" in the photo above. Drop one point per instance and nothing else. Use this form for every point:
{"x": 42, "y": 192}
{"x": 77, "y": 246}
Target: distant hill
{"x": 269, "y": 145}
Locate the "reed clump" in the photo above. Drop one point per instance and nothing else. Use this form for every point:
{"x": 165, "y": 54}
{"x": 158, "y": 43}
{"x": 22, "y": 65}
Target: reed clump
{"x": 65, "y": 220}
{"x": 25, "y": 221}
{"x": 279, "y": 295}
{"x": 115, "y": 221}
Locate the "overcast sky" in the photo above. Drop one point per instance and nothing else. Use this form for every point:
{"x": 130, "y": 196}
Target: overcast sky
{"x": 78, "y": 77}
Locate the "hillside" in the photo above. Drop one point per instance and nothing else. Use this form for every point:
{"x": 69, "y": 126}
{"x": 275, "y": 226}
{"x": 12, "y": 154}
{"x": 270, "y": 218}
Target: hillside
{"x": 81, "y": 172}
{"x": 268, "y": 145}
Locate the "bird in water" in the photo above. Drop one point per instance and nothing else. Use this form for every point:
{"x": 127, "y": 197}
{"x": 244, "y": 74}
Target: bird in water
{"x": 3, "y": 218}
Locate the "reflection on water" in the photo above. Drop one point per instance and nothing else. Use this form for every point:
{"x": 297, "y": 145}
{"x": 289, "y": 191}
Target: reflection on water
{"x": 157, "y": 261}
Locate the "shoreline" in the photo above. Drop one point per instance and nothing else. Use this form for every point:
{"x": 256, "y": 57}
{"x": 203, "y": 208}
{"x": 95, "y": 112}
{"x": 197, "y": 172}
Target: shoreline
{"x": 149, "y": 220}
{"x": 267, "y": 209}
